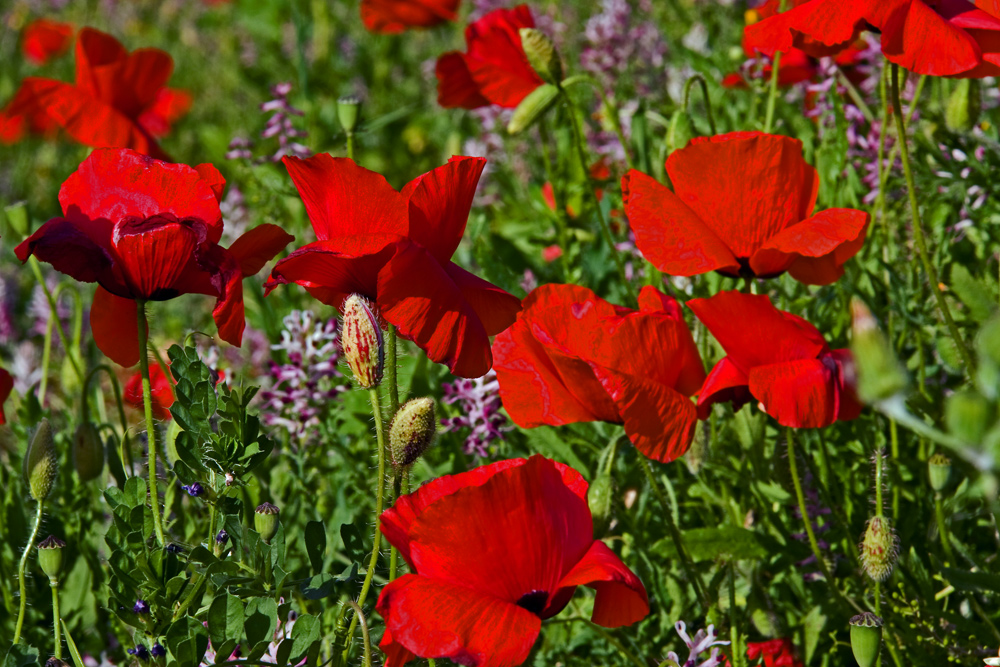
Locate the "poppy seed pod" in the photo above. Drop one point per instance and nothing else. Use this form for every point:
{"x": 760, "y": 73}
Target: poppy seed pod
{"x": 866, "y": 638}
{"x": 88, "y": 452}
{"x": 411, "y": 431}
{"x": 40, "y": 462}
{"x": 348, "y": 112}
{"x": 964, "y": 106}
{"x": 938, "y": 472}
{"x": 362, "y": 341}
{"x": 879, "y": 548}
{"x": 880, "y": 374}
{"x": 50, "y": 557}
{"x": 531, "y": 108}
{"x": 542, "y": 54}
{"x": 265, "y": 521}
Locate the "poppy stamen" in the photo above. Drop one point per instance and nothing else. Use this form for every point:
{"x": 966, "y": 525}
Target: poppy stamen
{"x": 534, "y": 601}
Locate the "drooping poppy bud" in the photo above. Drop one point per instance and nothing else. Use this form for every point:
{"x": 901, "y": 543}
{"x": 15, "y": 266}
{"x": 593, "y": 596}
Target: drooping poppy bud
{"x": 348, "y": 112}
{"x": 411, "y": 431}
{"x": 938, "y": 472}
{"x": 265, "y": 521}
{"x": 880, "y": 374}
{"x": 532, "y": 107}
{"x": 542, "y": 54}
{"x": 40, "y": 462}
{"x": 964, "y": 106}
{"x": 680, "y": 131}
{"x": 600, "y": 498}
{"x": 50, "y": 557}
{"x": 879, "y": 548}
{"x": 88, "y": 452}
{"x": 866, "y": 638}
{"x": 361, "y": 337}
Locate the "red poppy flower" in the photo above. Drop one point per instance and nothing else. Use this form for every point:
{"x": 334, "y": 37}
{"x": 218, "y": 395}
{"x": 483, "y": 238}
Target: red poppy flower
{"x": 161, "y": 391}
{"x": 777, "y": 358}
{"x": 776, "y": 653}
{"x": 936, "y": 37}
{"x": 148, "y": 230}
{"x": 494, "y": 68}
{"x": 44, "y": 39}
{"x": 394, "y": 248}
{"x": 573, "y": 357}
{"x": 118, "y": 100}
{"x": 742, "y": 205}
{"x": 6, "y": 386}
{"x": 492, "y": 552}
{"x": 392, "y": 16}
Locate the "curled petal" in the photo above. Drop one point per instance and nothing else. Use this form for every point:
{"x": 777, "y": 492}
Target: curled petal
{"x": 814, "y": 250}
{"x": 725, "y": 384}
{"x": 439, "y": 204}
{"x": 259, "y": 246}
{"x": 621, "y": 598}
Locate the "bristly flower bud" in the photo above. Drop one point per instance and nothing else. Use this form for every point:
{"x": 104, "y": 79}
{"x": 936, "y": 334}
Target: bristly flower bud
{"x": 938, "y": 472}
{"x": 879, "y": 548}
{"x": 348, "y": 111}
{"x": 265, "y": 521}
{"x": 88, "y": 452}
{"x": 40, "y": 462}
{"x": 50, "y": 557}
{"x": 411, "y": 431}
{"x": 866, "y": 638}
{"x": 542, "y": 54}
{"x": 880, "y": 375}
{"x": 361, "y": 337}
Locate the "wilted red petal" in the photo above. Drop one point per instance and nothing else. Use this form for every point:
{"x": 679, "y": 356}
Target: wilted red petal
{"x": 798, "y": 394}
{"x": 621, "y": 598}
{"x": 815, "y": 249}
{"x": 153, "y": 253}
{"x": 43, "y": 39}
{"x": 725, "y": 384}
{"x": 6, "y": 386}
{"x": 455, "y": 85}
{"x": 495, "y": 58}
{"x": 392, "y": 16}
{"x": 436, "y": 619}
{"x": 495, "y": 308}
{"x": 439, "y": 204}
{"x": 259, "y": 246}
{"x": 115, "y": 327}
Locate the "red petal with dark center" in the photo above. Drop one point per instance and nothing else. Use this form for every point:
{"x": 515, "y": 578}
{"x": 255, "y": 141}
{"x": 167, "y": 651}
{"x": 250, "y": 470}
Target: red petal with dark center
{"x": 153, "y": 254}
{"x": 820, "y": 28}
{"x": 77, "y": 250}
{"x": 909, "y": 33}
{"x": 320, "y": 266}
{"x": 621, "y": 598}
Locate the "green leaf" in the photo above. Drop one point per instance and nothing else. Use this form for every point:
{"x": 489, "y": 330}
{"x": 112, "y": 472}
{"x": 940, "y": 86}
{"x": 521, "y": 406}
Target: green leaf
{"x": 316, "y": 544}
{"x": 186, "y": 639}
{"x": 21, "y": 655}
{"x": 812, "y": 626}
{"x": 711, "y": 543}
{"x": 74, "y": 652}
{"x": 353, "y": 543}
{"x": 225, "y": 619}
{"x": 305, "y": 634}
{"x": 972, "y": 581}
{"x": 325, "y": 584}
{"x": 260, "y": 621}
{"x": 975, "y": 294}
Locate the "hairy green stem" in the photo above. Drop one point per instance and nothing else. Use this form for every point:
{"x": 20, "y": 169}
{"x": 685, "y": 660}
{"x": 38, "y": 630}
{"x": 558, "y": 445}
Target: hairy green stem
{"x": 366, "y": 640}
{"x": 404, "y": 488}
{"x": 772, "y": 93}
{"x": 147, "y": 404}
{"x": 943, "y": 529}
{"x": 390, "y": 373}
{"x": 803, "y": 510}
{"x": 22, "y": 602}
{"x": 704, "y": 93}
{"x": 56, "y": 619}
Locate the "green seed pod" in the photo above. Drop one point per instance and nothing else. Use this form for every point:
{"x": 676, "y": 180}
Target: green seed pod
{"x": 542, "y": 54}
{"x": 88, "y": 452}
{"x": 964, "y": 106}
{"x": 348, "y": 112}
{"x": 361, "y": 338}
{"x": 411, "y": 431}
{"x": 265, "y": 521}
{"x": 680, "y": 131}
{"x": 938, "y": 472}
{"x": 879, "y": 548}
{"x": 866, "y": 638}
{"x": 50, "y": 557}
{"x": 40, "y": 462}
{"x": 531, "y": 108}
{"x": 601, "y": 499}
{"x": 880, "y": 375}
{"x": 968, "y": 415}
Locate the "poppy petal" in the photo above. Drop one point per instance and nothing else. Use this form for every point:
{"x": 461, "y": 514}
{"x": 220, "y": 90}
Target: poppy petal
{"x": 820, "y": 28}
{"x": 6, "y": 386}
{"x": 227, "y": 280}
{"x": 439, "y": 204}
{"x": 436, "y": 619}
{"x": 798, "y": 394}
{"x": 395, "y": 653}
{"x": 330, "y": 275}
{"x": 908, "y": 32}
{"x": 259, "y": 246}
{"x": 346, "y": 201}
{"x": 668, "y": 233}
{"x": 495, "y": 308}
{"x": 71, "y": 250}
{"x": 814, "y": 250}
{"x": 455, "y": 85}
{"x": 26, "y": 112}
{"x": 43, "y": 39}
{"x": 394, "y": 16}
{"x": 154, "y": 253}
{"x": 113, "y": 321}
{"x": 849, "y": 405}
{"x": 169, "y": 106}
{"x": 94, "y": 50}
{"x": 214, "y": 179}
{"x": 496, "y": 59}
{"x": 621, "y": 598}
{"x": 725, "y": 384}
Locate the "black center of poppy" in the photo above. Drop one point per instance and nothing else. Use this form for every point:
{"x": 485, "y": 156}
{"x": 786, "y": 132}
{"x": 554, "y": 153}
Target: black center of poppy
{"x": 534, "y": 601}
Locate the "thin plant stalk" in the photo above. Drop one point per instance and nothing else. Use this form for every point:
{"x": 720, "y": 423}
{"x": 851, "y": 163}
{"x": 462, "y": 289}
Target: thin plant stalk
{"x": 390, "y": 372}
{"x": 803, "y": 510}
{"x": 56, "y": 619}
{"x": 772, "y": 93}
{"x": 21, "y": 568}
{"x": 116, "y": 390}
{"x": 53, "y": 306}
{"x": 147, "y": 404}
{"x": 404, "y": 488}
{"x": 366, "y": 640}
{"x": 704, "y": 93}
{"x": 46, "y": 358}
{"x": 943, "y": 529}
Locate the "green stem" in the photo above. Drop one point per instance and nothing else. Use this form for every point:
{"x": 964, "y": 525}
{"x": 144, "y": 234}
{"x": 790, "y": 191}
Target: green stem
{"x": 46, "y": 359}
{"x": 56, "y": 619}
{"x": 772, "y": 93}
{"x": 704, "y": 93}
{"x": 612, "y": 110}
{"x": 894, "y": 449}
{"x": 21, "y": 570}
{"x": 562, "y": 224}
{"x": 918, "y": 231}
{"x": 675, "y": 534}
{"x": 367, "y": 644}
{"x": 404, "y": 488}
{"x": 879, "y": 455}
{"x": 196, "y": 581}
{"x": 878, "y": 612}
{"x": 390, "y": 373}
{"x": 800, "y": 497}
{"x": 350, "y": 145}
{"x": 943, "y": 529}
{"x": 147, "y": 404}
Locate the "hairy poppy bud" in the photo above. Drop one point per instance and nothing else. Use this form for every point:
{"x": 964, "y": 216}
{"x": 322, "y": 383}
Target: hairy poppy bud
{"x": 866, "y": 638}
{"x": 362, "y": 341}
{"x": 964, "y": 106}
{"x": 879, "y": 548}
{"x": 968, "y": 415}
{"x": 542, "y": 54}
{"x": 600, "y": 498}
{"x": 531, "y": 108}
{"x": 88, "y": 452}
{"x": 265, "y": 521}
{"x": 411, "y": 431}
{"x": 880, "y": 374}
{"x": 938, "y": 472}
{"x": 40, "y": 462}
{"x": 348, "y": 111}
{"x": 50, "y": 557}
{"x": 680, "y": 131}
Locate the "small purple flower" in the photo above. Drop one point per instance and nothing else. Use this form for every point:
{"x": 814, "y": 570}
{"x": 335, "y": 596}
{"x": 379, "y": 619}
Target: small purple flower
{"x": 140, "y": 651}
{"x": 702, "y": 641}
{"x": 174, "y": 548}
{"x": 222, "y": 537}
{"x": 479, "y": 401}
{"x": 158, "y": 651}
{"x": 195, "y": 490}
{"x": 141, "y": 607}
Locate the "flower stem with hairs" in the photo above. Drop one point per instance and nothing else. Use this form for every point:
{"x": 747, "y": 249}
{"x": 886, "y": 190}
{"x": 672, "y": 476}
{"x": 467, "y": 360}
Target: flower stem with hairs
{"x": 147, "y": 404}
{"x": 22, "y": 566}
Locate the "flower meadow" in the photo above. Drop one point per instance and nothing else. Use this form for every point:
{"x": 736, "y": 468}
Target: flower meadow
{"x": 605, "y": 332}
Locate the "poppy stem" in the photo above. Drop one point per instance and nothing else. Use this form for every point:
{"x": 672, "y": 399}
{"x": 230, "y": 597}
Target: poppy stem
{"x": 793, "y": 467}
{"x": 54, "y": 309}
{"x": 698, "y": 78}
{"x": 367, "y": 645}
{"x": 390, "y": 373}
{"x": 22, "y": 593}
{"x": 772, "y": 93}
{"x": 147, "y": 405}
{"x": 918, "y": 231}
{"x": 404, "y": 488}
{"x": 734, "y": 631}
{"x": 605, "y": 228}
{"x": 56, "y": 636}
{"x": 675, "y": 534}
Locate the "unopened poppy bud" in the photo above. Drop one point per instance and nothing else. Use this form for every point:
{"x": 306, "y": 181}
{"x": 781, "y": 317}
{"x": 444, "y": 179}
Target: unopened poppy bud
{"x": 411, "y": 431}
{"x": 600, "y": 498}
{"x": 938, "y": 472}
{"x": 40, "y": 462}
{"x": 964, "y": 106}
{"x": 879, "y": 548}
{"x": 265, "y": 521}
{"x": 348, "y": 112}
{"x": 542, "y": 54}
{"x": 50, "y": 557}
{"x": 968, "y": 415}
{"x": 866, "y": 638}
{"x": 680, "y": 131}
{"x": 361, "y": 338}
{"x": 880, "y": 374}
{"x": 88, "y": 452}
{"x": 532, "y": 107}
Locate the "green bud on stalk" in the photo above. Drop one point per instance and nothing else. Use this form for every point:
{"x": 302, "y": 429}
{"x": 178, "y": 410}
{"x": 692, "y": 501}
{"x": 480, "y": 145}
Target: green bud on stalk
{"x": 532, "y": 107}
{"x": 542, "y": 54}
{"x": 348, "y": 112}
{"x": 964, "y": 106}
{"x": 680, "y": 131}
{"x": 265, "y": 521}
{"x": 40, "y": 462}
{"x": 50, "y": 557}
{"x": 866, "y": 638}
{"x": 879, "y": 548}
{"x": 88, "y": 452}
{"x": 411, "y": 431}
{"x": 361, "y": 338}
{"x": 880, "y": 375}
{"x": 938, "y": 472}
